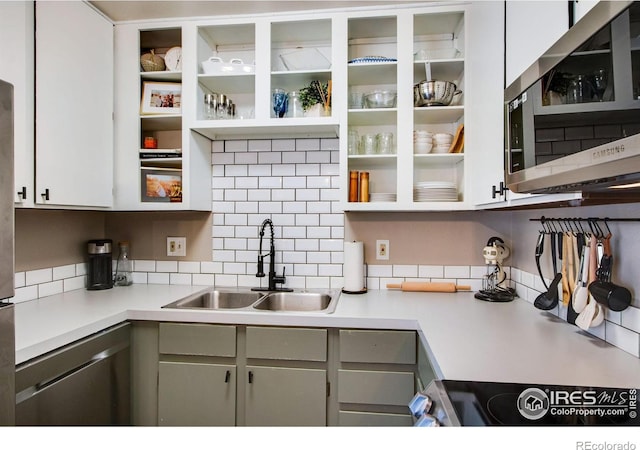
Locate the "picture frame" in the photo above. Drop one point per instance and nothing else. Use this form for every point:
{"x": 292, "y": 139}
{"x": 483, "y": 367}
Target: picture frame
{"x": 161, "y": 98}
{"x": 161, "y": 185}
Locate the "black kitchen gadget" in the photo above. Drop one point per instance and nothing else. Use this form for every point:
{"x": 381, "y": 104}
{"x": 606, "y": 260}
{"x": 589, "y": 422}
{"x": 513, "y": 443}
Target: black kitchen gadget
{"x": 99, "y": 270}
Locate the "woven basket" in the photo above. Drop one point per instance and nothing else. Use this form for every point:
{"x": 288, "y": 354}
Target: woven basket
{"x": 153, "y": 64}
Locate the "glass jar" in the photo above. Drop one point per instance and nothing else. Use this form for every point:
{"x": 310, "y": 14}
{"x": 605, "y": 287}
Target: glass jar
{"x": 124, "y": 266}
{"x": 295, "y": 105}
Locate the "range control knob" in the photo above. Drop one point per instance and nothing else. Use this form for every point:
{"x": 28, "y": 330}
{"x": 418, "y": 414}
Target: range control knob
{"x": 427, "y": 420}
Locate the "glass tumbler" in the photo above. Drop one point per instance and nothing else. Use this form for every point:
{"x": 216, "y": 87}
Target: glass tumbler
{"x": 210, "y": 106}
{"x": 369, "y": 144}
{"x": 294, "y": 107}
{"x": 353, "y": 143}
{"x": 279, "y": 102}
{"x": 385, "y": 143}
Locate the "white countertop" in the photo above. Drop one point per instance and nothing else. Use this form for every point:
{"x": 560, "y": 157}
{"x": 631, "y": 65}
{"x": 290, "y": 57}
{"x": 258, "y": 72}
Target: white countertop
{"x": 469, "y": 339}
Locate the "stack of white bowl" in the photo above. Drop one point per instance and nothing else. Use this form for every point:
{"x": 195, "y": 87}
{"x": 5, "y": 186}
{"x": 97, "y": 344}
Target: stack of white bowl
{"x": 422, "y": 142}
{"x": 442, "y": 142}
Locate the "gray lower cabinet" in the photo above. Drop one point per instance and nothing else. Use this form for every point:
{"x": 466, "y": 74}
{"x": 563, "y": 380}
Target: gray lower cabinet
{"x": 285, "y": 396}
{"x": 376, "y": 377}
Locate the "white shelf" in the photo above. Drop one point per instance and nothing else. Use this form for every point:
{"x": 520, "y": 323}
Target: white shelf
{"x": 437, "y": 114}
{"x": 358, "y": 161}
{"x": 270, "y": 128}
{"x": 438, "y": 159}
{"x": 161, "y": 122}
{"x": 241, "y": 83}
{"x": 164, "y": 75}
{"x": 372, "y": 116}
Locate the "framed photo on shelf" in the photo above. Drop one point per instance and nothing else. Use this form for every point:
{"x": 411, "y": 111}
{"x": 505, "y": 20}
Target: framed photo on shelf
{"x": 161, "y": 185}
{"x": 161, "y": 98}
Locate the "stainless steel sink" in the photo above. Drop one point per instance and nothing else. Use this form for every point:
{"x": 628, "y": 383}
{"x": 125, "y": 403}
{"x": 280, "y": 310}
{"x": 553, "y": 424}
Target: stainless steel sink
{"x": 247, "y": 300}
{"x": 299, "y": 301}
{"x": 218, "y": 299}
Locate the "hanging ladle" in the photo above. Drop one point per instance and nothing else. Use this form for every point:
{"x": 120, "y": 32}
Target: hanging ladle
{"x": 549, "y": 300}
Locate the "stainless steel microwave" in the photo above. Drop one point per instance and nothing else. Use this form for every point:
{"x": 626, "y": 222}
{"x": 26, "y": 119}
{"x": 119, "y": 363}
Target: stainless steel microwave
{"x": 573, "y": 117}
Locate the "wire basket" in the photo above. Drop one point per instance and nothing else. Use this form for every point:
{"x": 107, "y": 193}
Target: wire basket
{"x": 153, "y": 64}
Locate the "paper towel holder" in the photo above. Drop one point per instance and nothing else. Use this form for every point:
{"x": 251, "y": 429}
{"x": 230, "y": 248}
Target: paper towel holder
{"x": 364, "y": 289}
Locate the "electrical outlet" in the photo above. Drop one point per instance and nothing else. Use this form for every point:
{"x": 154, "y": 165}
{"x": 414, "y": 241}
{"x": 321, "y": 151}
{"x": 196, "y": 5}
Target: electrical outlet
{"x": 176, "y": 246}
{"x": 382, "y": 249}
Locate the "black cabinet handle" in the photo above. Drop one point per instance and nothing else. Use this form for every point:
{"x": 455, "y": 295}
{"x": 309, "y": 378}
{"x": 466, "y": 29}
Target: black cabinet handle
{"x": 45, "y": 194}
{"x": 22, "y": 193}
{"x": 227, "y": 376}
{"x": 250, "y": 377}
{"x": 498, "y": 191}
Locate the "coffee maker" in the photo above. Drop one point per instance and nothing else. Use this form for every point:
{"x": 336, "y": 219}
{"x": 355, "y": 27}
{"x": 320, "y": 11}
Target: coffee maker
{"x": 100, "y": 270}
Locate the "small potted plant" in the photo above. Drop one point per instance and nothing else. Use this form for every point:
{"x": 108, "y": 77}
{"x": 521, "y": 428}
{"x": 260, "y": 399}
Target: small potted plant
{"x": 316, "y": 99}
{"x": 555, "y": 86}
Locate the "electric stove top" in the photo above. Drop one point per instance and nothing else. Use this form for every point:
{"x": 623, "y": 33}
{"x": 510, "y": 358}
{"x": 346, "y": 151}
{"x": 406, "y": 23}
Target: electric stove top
{"x": 472, "y": 403}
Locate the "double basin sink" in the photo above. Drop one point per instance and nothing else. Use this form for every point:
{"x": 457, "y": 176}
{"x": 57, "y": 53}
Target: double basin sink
{"x": 248, "y": 300}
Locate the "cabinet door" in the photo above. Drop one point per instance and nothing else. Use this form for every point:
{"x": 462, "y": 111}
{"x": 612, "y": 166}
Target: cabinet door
{"x": 74, "y": 105}
{"x": 285, "y": 397}
{"x": 16, "y": 48}
{"x": 196, "y": 394}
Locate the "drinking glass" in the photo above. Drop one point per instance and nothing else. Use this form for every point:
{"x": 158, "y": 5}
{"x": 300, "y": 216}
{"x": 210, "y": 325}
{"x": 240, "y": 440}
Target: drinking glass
{"x": 280, "y": 102}
{"x": 369, "y": 144}
{"x": 600, "y": 82}
{"x": 385, "y": 143}
{"x": 353, "y": 143}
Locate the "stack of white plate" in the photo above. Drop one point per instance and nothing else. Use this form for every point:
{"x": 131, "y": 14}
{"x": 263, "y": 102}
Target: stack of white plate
{"x": 382, "y": 197}
{"x": 435, "y": 191}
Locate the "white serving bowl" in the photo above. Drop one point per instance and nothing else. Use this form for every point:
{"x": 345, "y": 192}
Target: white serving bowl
{"x": 422, "y": 149}
{"x": 440, "y": 149}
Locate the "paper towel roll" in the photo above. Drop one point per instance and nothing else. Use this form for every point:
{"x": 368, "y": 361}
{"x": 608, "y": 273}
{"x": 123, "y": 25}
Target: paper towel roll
{"x": 353, "y": 268}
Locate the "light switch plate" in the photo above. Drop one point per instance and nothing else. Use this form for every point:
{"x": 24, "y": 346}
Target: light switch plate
{"x": 176, "y": 246}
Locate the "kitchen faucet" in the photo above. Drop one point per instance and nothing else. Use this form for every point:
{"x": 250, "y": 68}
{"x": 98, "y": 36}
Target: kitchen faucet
{"x": 273, "y": 278}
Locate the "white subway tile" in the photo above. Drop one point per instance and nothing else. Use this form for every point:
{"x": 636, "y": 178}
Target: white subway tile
{"x": 81, "y": 269}
{"x": 247, "y": 207}
{"x": 405, "y": 270}
{"x": 218, "y": 218}
{"x": 307, "y": 195}
{"x": 284, "y": 219}
{"x": 307, "y": 144}
{"x": 623, "y": 338}
{"x": 222, "y": 182}
{"x": 235, "y": 146}
{"x": 245, "y": 158}
{"x": 270, "y": 183}
{"x": 478, "y": 271}
{"x": 217, "y": 146}
{"x": 204, "y": 279}
{"x": 222, "y": 159}
{"x": 285, "y": 245}
{"x": 332, "y": 220}
{"x": 526, "y": 278}
{"x": 224, "y": 256}
{"x": 260, "y": 145}
{"x": 331, "y": 245}
{"x": 72, "y": 284}
{"x": 294, "y": 232}
{"x": 246, "y": 182}
{"x": 235, "y": 244}
{"x": 283, "y": 170}
{"x": 270, "y": 158}
{"x": 38, "y": 276}
{"x": 283, "y": 195}
{"x": 319, "y": 157}
{"x": 319, "y": 232}
{"x": 319, "y": 182}
{"x": 318, "y": 282}
{"x": 217, "y": 195}
{"x": 140, "y": 278}
{"x": 294, "y": 182}
{"x": 260, "y": 171}
{"x": 248, "y": 231}
{"x": 329, "y": 169}
{"x": 380, "y": 270}
{"x": 166, "y": 266}
{"x": 247, "y": 256}
{"x": 307, "y": 245}
{"x": 296, "y": 282}
{"x": 295, "y": 208}
{"x": 385, "y": 281}
{"x": 222, "y": 231}
{"x": 53, "y": 288}
{"x": 319, "y": 257}
{"x": 223, "y": 207}
{"x": 259, "y": 195}
{"x": 330, "y": 270}
{"x": 247, "y": 280}
{"x": 306, "y": 270}
{"x": 25, "y": 294}
{"x": 180, "y": 278}
{"x": 282, "y": 145}
{"x": 234, "y": 268}
{"x": 19, "y": 280}
{"x": 210, "y": 267}
{"x": 308, "y": 220}
{"x": 217, "y": 171}
{"x": 373, "y": 283}
{"x": 270, "y": 207}
{"x": 293, "y": 157}
{"x": 143, "y": 265}
{"x": 235, "y": 219}
{"x": 330, "y": 144}
{"x": 236, "y": 170}
{"x": 336, "y": 282}
{"x": 330, "y": 195}
{"x": 337, "y": 232}
{"x": 308, "y": 169}
{"x": 319, "y": 207}
{"x": 158, "y": 278}
{"x": 613, "y": 316}
{"x": 189, "y": 266}
{"x": 430, "y": 271}
{"x": 294, "y": 257}
{"x": 630, "y": 318}
{"x": 599, "y": 331}
{"x": 337, "y": 257}
{"x": 235, "y": 195}
{"x": 226, "y": 280}
{"x": 456, "y": 272}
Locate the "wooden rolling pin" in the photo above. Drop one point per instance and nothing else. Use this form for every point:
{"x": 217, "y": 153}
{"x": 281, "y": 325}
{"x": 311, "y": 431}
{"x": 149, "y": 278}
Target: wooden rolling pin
{"x": 418, "y": 286}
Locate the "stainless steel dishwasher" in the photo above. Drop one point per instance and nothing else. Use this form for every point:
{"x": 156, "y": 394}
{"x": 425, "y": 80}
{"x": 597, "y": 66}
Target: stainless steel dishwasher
{"x": 84, "y": 383}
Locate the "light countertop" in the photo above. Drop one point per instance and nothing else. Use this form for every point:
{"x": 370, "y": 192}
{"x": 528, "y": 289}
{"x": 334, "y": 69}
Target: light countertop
{"x": 468, "y": 339}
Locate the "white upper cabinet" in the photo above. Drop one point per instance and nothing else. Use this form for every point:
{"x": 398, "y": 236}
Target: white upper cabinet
{"x": 74, "y": 106}
{"x": 531, "y": 28}
{"x": 16, "y": 47}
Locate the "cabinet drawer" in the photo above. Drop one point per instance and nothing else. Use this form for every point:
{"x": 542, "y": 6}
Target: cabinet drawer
{"x": 197, "y": 339}
{"x": 375, "y": 388}
{"x": 371, "y": 419}
{"x": 301, "y": 344}
{"x": 377, "y": 346}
